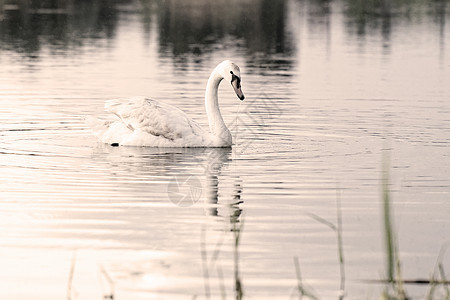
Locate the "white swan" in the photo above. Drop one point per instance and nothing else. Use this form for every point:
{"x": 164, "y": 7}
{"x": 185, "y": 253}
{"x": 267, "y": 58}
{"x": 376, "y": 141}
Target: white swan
{"x": 147, "y": 122}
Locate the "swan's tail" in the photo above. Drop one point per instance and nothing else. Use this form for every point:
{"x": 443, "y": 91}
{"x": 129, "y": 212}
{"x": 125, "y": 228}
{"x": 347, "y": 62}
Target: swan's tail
{"x": 97, "y": 126}
{"x": 107, "y": 131}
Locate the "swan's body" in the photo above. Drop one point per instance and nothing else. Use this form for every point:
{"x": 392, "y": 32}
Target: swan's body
{"x": 147, "y": 122}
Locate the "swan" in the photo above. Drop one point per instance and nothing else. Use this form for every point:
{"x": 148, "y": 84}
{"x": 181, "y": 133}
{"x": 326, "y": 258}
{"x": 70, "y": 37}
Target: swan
{"x": 146, "y": 122}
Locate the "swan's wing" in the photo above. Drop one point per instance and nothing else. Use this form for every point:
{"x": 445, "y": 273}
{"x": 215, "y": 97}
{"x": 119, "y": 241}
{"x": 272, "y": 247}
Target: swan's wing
{"x": 153, "y": 117}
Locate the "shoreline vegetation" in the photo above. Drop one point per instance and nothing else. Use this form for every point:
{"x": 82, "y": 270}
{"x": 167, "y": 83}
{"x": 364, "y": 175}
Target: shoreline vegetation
{"x": 394, "y": 286}
{"x": 393, "y": 282}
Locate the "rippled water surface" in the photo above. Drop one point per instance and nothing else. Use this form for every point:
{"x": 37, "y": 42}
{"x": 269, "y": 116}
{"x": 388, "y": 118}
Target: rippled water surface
{"x": 331, "y": 88}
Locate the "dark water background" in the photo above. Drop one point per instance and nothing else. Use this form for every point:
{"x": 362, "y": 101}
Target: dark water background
{"x": 331, "y": 87}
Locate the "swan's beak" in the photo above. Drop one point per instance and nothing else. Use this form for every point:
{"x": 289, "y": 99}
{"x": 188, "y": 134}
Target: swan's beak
{"x": 236, "y": 83}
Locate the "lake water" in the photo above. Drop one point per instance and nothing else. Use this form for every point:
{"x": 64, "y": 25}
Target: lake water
{"x": 331, "y": 88}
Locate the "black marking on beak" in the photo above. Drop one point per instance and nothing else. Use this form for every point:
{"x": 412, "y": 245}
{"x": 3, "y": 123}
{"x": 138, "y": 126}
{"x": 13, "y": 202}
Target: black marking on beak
{"x": 236, "y": 83}
{"x": 233, "y": 78}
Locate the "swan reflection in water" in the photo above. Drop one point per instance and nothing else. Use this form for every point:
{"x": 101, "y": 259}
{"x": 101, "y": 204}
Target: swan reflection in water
{"x": 153, "y": 171}
{"x": 216, "y": 159}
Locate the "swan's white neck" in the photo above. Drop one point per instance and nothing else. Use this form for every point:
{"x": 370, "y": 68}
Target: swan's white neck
{"x": 216, "y": 124}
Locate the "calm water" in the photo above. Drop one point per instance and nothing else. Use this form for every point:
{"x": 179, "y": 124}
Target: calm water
{"x": 331, "y": 87}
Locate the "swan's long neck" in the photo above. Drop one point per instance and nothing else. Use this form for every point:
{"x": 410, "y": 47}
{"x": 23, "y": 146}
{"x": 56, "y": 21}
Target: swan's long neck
{"x": 216, "y": 124}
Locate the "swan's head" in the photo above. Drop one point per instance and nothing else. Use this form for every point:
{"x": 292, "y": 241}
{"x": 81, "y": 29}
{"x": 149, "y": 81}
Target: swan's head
{"x": 231, "y": 73}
